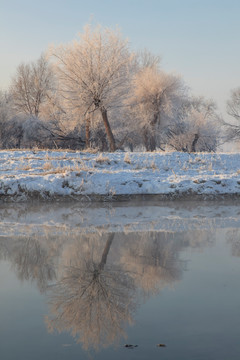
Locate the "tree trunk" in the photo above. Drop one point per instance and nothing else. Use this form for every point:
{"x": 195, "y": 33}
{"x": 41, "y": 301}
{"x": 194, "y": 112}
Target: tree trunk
{"x": 146, "y": 138}
{"x": 149, "y": 139}
{"x": 108, "y": 129}
{"x": 194, "y": 143}
{"x": 152, "y": 140}
{"x": 87, "y": 132}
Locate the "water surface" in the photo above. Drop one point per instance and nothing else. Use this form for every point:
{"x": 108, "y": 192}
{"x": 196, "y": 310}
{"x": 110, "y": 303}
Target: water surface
{"x": 81, "y": 282}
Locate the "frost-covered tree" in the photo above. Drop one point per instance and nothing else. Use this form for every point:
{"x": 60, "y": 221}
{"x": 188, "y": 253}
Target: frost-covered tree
{"x": 94, "y": 73}
{"x": 233, "y": 105}
{"x": 5, "y": 113}
{"x": 10, "y": 125}
{"x": 195, "y": 126}
{"x": 31, "y": 86}
{"x": 155, "y": 95}
{"x": 146, "y": 59}
{"x": 20, "y": 131}
{"x": 233, "y": 109}
{"x": 5, "y": 106}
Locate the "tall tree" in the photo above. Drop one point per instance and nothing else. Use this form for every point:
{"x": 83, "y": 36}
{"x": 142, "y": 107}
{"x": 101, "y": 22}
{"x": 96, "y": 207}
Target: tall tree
{"x": 154, "y": 96}
{"x": 94, "y": 73}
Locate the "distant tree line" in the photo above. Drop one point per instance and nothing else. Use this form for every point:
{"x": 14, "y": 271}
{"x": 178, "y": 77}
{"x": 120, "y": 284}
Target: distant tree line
{"x": 96, "y": 93}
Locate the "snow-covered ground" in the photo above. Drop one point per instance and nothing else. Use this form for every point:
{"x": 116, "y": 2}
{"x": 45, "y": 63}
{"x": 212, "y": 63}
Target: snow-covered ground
{"x": 47, "y": 175}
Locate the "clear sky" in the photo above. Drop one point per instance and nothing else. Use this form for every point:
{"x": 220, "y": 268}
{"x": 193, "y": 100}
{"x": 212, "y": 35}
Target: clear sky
{"x": 198, "y": 39}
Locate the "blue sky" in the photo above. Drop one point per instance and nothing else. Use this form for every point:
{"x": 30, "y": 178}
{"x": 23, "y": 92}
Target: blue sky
{"x": 198, "y": 39}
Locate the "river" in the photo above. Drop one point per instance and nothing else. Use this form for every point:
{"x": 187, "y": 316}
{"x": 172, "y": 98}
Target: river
{"x": 83, "y": 281}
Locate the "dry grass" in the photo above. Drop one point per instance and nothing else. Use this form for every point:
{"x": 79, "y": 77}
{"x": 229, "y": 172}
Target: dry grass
{"x": 90, "y": 151}
{"x": 153, "y": 166}
{"x": 102, "y": 159}
{"x": 210, "y": 167}
{"x": 58, "y": 170}
{"x": 26, "y": 167}
{"x": 127, "y": 159}
{"x": 47, "y": 165}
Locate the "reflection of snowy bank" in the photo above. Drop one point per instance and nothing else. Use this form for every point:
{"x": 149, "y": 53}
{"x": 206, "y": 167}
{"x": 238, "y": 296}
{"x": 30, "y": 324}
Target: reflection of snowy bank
{"x": 124, "y": 217}
{"x": 84, "y": 176}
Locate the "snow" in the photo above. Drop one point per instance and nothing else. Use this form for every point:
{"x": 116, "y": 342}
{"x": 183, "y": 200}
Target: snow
{"x": 48, "y": 175}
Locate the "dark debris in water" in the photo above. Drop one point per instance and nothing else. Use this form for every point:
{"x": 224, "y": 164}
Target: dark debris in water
{"x": 130, "y": 346}
{"x": 161, "y": 345}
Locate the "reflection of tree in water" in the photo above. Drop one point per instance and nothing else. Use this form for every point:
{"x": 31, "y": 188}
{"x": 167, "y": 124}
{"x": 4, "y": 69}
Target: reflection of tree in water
{"x": 3, "y": 249}
{"x": 92, "y": 300}
{"x": 31, "y": 261}
{"x": 95, "y": 294}
{"x": 153, "y": 260}
{"x": 233, "y": 237}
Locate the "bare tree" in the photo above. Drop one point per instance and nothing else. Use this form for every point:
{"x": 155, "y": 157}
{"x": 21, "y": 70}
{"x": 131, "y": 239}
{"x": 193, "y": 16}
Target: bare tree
{"x": 94, "y": 73}
{"x": 30, "y": 86}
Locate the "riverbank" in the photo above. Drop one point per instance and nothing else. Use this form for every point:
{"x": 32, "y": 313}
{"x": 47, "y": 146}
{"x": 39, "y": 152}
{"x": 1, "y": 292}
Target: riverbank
{"x": 59, "y": 175}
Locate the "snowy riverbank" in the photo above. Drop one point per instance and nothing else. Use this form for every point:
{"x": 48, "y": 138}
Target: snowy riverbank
{"x": 85, "y": 176}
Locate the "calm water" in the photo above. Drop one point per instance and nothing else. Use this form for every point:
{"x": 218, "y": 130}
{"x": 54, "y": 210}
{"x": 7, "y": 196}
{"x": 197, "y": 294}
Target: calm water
{"x": 81, "y": 282}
